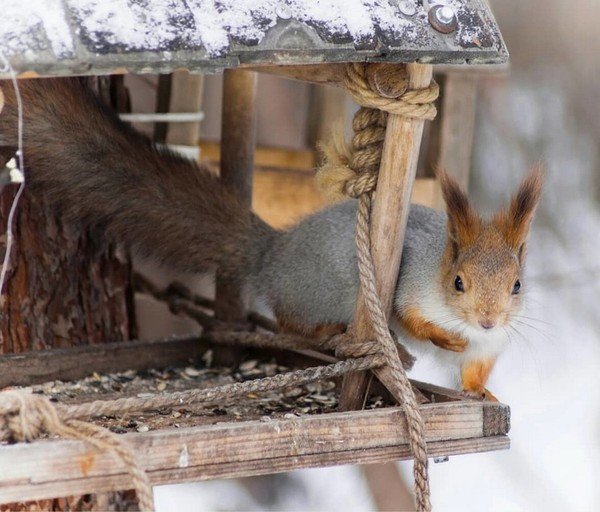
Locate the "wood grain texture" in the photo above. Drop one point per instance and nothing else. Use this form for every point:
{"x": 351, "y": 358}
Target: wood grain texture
{"x": 58, "y": 467}
{"x": 238, "y": 140}
{"x": 330, "y": 74}
{"x": 37, "y": 367}
{"x": 388, "y": 223}
{"x": 186, "y": 96}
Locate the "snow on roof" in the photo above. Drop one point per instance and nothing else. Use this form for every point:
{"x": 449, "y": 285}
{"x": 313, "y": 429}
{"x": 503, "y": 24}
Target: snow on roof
{"x": 57, "y": 36}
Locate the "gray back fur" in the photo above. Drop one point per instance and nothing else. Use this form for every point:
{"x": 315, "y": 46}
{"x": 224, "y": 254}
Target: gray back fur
{"x": 311, "y": 270}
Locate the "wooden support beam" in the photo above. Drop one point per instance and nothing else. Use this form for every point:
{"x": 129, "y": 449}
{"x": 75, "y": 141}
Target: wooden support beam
{"x": 163, "y": 98}
{"x": 238, "y": 140}
{"x": 58, "y": 467}
{"x": 329, "y": 74}
{"x": 451, "y": 136}
{"x": 388, "y": 224}
{"x": 326, "y": 111}
{"x": 186, "y": 96}
{"x": 388, "y": 489}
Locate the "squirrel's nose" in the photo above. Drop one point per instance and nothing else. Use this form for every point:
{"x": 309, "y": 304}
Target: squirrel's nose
{"x": 487, "y": 323}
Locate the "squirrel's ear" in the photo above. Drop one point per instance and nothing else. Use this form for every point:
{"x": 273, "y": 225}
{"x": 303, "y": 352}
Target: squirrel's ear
{"x": 463, "y": 222}
{"x": 515, "y": 222}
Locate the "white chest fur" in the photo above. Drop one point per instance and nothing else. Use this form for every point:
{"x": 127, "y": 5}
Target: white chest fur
{"x": 482, "y": 344}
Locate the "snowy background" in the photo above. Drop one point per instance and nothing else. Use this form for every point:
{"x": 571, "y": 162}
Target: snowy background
{"x": 546, "y": 108}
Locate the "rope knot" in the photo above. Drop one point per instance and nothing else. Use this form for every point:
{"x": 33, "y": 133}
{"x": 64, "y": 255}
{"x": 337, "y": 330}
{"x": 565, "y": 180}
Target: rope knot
{"x": 352, "y": 170}
{"x": 25, "y": 416}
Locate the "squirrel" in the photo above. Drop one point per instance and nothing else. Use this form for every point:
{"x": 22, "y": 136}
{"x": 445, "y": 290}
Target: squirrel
{"x": 461, "y": 276}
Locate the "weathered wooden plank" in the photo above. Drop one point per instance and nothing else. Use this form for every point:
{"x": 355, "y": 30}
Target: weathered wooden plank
{"x": 37, "y": 367}
{"x": 57, "y": 467}
{"x": 41, "y": 490}
{"x": 388, "y": 223}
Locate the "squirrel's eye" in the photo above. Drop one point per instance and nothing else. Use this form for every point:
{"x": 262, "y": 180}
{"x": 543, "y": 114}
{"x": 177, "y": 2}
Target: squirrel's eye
{"x": 458, "y": 284}
{"x": 516, "y": 287}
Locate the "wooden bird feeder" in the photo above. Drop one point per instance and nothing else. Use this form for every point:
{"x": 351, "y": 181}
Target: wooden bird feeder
{"x": 73, "y": 315}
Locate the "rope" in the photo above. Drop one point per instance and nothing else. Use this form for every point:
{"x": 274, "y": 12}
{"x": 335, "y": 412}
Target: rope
{"x": 353, "y": 172}
{"x": 219, "y": 393}
{"x": 26, "y": 417}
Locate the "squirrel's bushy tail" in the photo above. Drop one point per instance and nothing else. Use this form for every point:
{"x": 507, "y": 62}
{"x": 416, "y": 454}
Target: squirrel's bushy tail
{"x": 97, "y": 169}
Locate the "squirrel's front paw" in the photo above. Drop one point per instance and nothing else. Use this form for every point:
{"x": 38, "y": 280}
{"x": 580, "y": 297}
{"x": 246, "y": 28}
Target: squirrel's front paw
{"x": 454, "y": 343}
{"x": 483, "y": 394}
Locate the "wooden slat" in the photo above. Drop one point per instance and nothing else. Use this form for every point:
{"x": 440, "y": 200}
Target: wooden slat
{"x": 326, "y": 111}
{"x": 388, "y": 224}
{"x": 186, "y": 96}
{"x": 58, "y": 467}
{"x": 28, "y": 368}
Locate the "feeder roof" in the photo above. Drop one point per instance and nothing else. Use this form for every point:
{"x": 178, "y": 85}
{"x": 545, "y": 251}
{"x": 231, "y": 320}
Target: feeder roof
{"x": 67, "y": 37}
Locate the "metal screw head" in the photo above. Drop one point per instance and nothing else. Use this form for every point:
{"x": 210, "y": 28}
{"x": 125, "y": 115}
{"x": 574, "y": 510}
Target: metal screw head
{"x": 283, "y": 11}
{"x": 407, "y": 7}
{"x": 443, "y": 19}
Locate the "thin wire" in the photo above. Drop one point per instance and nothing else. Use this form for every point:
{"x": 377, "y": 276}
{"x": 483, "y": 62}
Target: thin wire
{"x": 20, "y": 165}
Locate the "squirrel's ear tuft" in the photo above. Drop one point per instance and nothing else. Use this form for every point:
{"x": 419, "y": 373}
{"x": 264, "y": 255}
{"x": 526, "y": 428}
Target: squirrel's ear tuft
{"x": 463, "y": 222}
{"x": 516, "y": 220}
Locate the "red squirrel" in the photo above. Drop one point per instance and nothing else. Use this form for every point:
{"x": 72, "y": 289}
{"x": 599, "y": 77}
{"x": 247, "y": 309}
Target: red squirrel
{"x": 461, "y": 277}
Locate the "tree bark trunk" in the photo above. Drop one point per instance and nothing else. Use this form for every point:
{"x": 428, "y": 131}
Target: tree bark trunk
{"x": 65, "y": 285}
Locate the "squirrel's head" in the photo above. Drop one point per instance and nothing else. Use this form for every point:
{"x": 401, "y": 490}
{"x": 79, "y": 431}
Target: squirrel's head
{"x": 483, "y": 263}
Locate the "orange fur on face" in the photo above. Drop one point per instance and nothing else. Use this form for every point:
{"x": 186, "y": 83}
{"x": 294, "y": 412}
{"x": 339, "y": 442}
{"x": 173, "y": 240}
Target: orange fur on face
{"x": 419, "y": 328}
{"x": 488, "y": 269}
{"x": 474, "y": 375}
{"x": 488, "y": 256}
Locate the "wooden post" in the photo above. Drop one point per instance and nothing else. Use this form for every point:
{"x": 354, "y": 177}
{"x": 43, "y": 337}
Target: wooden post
{"x": 327, "y": 110}
{"x": 388, "y": 489}
{"x": 238, "y": 140}
{"x": 453, "y": 131}
{"x": 186, "y": 96}
{"x": 388, "y": 222}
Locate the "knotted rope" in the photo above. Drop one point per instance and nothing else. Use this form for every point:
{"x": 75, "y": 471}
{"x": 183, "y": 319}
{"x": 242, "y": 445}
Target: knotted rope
{"x": 353, "y": 172}
{"x": 26, "y": 417}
